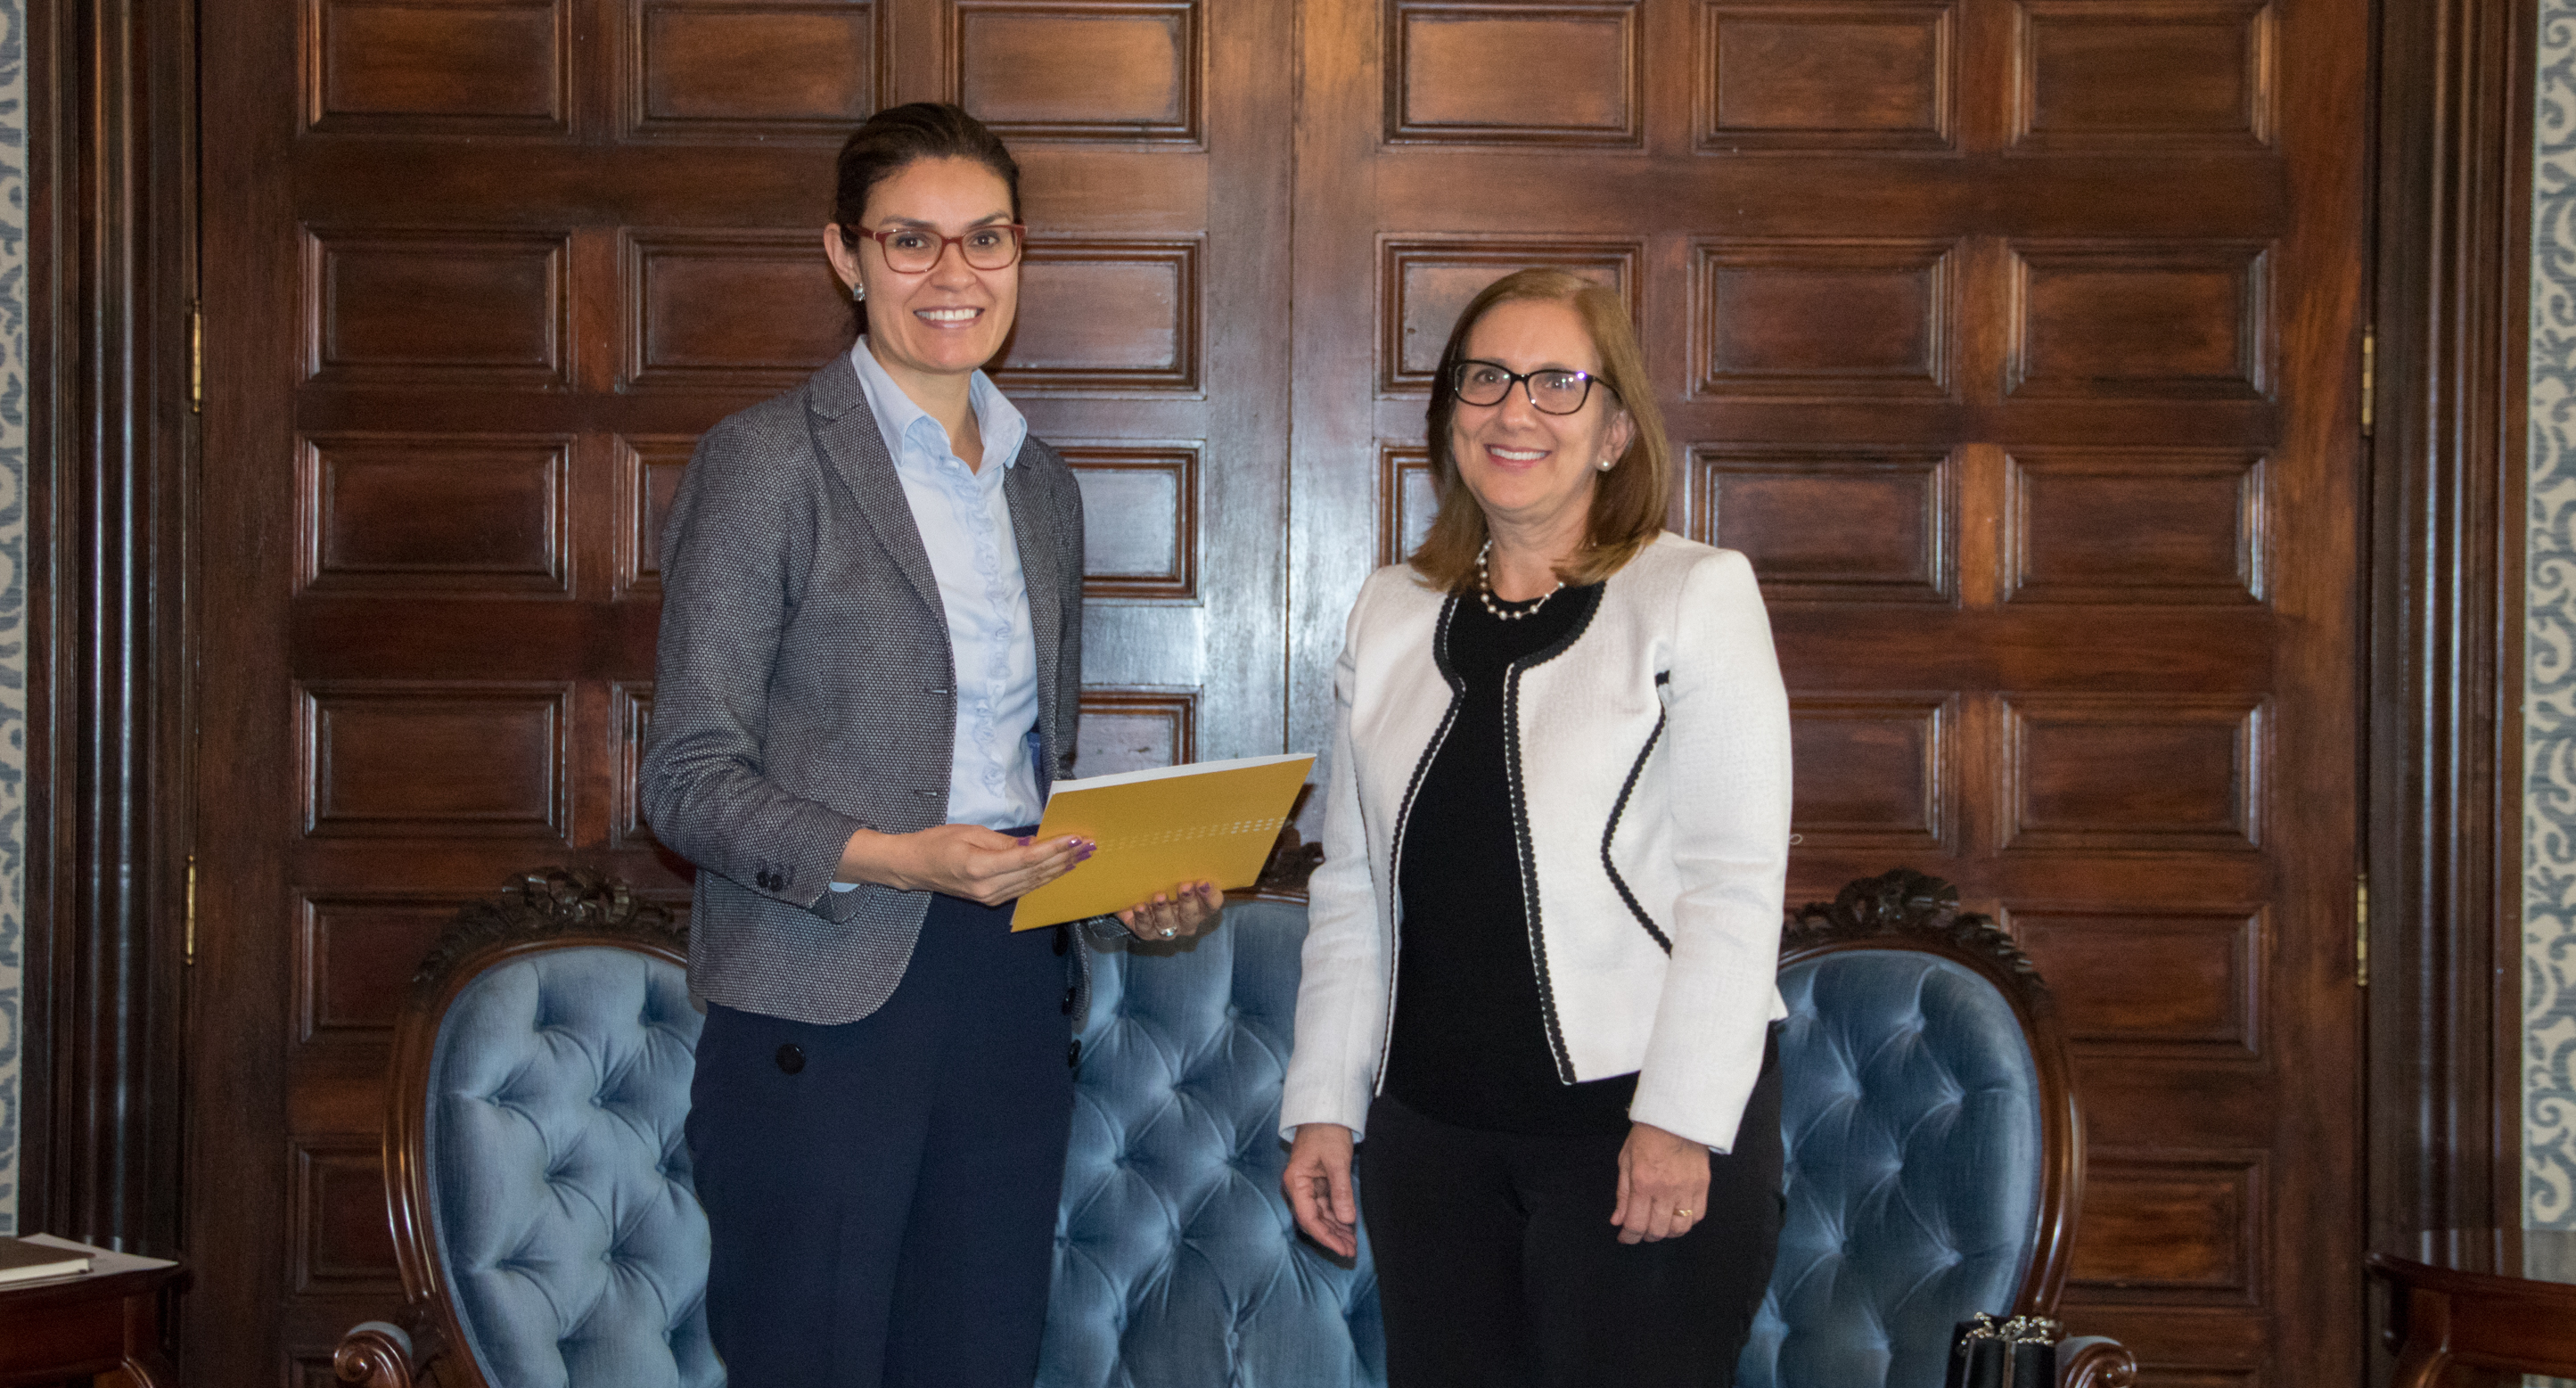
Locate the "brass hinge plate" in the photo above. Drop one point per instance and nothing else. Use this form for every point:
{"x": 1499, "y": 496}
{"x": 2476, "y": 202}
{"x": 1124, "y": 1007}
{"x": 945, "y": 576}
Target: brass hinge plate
{"x": 2361, "y": 931}
{"x": 188, "y": 948}
{"x": 2369, "y": 376}
{"x": 196, "y": 358}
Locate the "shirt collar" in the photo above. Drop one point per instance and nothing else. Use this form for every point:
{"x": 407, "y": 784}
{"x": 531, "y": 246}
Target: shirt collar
{"x": 1003, "y": 426}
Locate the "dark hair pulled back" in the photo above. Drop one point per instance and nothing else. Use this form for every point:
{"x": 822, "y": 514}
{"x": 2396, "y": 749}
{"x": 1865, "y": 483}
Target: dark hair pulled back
{"x": 900, "y": 135}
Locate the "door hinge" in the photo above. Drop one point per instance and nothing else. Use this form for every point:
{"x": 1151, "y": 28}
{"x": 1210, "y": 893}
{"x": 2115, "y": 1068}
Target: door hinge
{"x": 2369, "y": 376}
{"x": 2361, "y": 931}
{"x": 196, "y": 358}
{"x": 188, "y": 947}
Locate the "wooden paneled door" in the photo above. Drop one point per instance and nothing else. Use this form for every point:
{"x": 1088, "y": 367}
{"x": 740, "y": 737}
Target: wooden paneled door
{"x": 2017, "y": 341}
{"x": 479, "y": 273}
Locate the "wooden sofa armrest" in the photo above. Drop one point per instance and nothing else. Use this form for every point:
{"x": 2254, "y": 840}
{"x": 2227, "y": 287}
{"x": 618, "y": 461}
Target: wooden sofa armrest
{"x": 380, "y": 1354}
{"x": 2095, "y": 1361}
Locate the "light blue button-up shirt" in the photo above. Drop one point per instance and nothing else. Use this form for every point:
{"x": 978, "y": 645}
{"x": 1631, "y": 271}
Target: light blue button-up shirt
{"x": 965, "y": 522}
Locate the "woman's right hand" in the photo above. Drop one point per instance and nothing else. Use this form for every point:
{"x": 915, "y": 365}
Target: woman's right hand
{"x": 961, "y": 860}
{"x": 1318, "y": 1181}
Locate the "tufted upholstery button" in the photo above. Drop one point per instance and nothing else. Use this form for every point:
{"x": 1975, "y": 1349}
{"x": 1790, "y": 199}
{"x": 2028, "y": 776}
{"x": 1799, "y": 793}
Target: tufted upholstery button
{"x": 791, "y": 1058}
{"x": 1073, "y": 1056}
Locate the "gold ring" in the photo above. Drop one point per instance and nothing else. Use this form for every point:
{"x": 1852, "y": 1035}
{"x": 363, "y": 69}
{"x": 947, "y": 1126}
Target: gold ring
{"x": 1683, "y": 1213}
{"x": 1167, "y": 932}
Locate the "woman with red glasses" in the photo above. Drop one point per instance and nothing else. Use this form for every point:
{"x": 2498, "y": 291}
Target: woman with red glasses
{"x": 870, "y": 661}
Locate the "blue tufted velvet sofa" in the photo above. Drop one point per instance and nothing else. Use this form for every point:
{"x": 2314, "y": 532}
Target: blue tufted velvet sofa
{"x": 1934, "y": 1163}
{"x": 540, "y": 1191}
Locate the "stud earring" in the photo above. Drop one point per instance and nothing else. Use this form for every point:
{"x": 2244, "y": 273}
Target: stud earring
{"x": 858, "y": 292}
{"x": 1607, "y": 463}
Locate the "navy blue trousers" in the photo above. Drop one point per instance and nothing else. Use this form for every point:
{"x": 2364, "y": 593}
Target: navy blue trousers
{"x": 882, "y": 1193}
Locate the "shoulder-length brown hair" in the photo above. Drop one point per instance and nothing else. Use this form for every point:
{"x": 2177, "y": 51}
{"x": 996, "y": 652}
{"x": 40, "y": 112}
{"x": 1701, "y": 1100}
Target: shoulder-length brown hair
{"x": 1628, "y": 502}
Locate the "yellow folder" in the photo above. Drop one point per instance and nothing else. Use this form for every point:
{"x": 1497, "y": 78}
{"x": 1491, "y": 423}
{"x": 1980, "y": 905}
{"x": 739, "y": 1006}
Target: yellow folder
{"x": 1209, "y": 821}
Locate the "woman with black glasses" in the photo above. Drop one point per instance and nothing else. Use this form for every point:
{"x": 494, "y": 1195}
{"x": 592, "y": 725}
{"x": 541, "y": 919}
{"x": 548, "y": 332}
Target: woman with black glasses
{"x": 1539, "y": 965}
{"x": 870, "y": 659}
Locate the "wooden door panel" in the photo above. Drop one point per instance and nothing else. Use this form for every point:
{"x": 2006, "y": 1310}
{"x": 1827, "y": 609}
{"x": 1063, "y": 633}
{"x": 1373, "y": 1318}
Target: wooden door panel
{"x": 1873, "y": 773}
{"x": 2012, "y": 340}
{"x": 1823, "y": 76}
{"x": 720, "y": 71}
{"x": 1868, "y": 320}
{"x": 2168, "y": 526}
{"x": 390, "y": 512}
{"x": 2111, "y": 318}
{"x": 1047, "y": 69}
{"x": 465, "y": 67}
{"x": 436, "y": 307}
{"x": 2173, "y": 985}
{"x": 1452, "y": 74}
{"x": 2134, "y": 76}
{"x": 1823, "y": 524}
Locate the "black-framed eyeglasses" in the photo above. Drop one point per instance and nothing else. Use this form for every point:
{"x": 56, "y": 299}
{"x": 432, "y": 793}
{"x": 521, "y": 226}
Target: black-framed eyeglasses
{"x": 914, "y": 250}
{"x": 1550, "y": 390}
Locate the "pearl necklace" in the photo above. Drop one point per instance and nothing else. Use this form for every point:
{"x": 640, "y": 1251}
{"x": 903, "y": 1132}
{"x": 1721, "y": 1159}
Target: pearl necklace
{"x": 1485, "y": 591}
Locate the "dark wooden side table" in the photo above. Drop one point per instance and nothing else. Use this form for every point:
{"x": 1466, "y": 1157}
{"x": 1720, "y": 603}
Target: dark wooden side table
{"x": 107, "y": 1321}
{"x": 2472, "y": 1305}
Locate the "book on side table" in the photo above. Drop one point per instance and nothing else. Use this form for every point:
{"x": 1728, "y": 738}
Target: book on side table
{"x": 26, "y": 1260}
{"x": 1212, "y": 821}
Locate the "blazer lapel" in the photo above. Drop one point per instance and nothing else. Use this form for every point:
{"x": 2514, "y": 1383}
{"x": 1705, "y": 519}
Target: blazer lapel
{"x": 1034, "y": 526}
{"x": 851, "y": 444}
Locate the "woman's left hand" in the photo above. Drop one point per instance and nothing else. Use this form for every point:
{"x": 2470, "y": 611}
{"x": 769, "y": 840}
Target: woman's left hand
{"x": 1178, "y": 914}
{"x": 1663, "y": 1185}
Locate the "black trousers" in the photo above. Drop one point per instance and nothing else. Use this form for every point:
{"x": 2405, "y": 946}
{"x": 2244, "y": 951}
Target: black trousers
{"x": 882, "y": 1194}
{"x": 1498, "y": 1266}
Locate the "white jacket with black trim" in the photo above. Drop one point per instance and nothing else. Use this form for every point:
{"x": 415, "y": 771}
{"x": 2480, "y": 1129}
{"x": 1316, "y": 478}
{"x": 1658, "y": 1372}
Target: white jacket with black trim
{"x": 1651, "y": 792}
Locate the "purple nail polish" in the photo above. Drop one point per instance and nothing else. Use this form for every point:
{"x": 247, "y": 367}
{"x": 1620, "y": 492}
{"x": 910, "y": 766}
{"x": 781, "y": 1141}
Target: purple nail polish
{"x": 1083, "y": 857}
{"x": 1024, "y": 842}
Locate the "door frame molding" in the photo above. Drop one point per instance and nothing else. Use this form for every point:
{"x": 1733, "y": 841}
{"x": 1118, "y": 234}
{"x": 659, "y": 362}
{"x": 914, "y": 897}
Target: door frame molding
{"x": 110, "y": 439}
{"x": 2443, "y": 749}
{"x": 111, "y": 276}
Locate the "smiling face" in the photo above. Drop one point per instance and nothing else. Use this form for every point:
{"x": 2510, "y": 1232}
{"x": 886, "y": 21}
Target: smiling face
{"x": 952, "y": 318}
{"x": 1529, "y": 470}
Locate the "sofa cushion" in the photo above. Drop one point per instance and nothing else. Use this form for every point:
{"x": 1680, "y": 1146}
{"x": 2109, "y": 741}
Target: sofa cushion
{"x": 569, "y": 1233}
{"x": 1177, "y": 1262}
{"x": 1911, "y": 1120}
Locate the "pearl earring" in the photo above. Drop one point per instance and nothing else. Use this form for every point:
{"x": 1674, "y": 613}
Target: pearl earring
{"x": 858, "y": 292}
{"x": 1606, "y": 463}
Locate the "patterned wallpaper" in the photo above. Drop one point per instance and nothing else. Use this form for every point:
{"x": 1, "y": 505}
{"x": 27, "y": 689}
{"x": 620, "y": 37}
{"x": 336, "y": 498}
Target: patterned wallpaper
{"x": 13, "y": 578}
{"x": 2549, "y": 693}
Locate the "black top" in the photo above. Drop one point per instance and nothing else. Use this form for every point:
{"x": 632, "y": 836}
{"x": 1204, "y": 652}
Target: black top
{"x": 1472, "y": 1045}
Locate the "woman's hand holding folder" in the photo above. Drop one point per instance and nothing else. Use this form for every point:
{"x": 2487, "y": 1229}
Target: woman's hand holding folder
{"x": 1178, "y": 914}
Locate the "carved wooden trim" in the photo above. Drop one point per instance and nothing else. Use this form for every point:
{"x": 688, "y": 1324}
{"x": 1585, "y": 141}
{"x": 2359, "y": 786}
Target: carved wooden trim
{"x": 550, "y": 907}
{"x": 1905, "y": 909}
{"x": 1903, "y": 905}
{"x": 374, "y": 1354}
{"x": 2097, "y": 1363}
{"x": 110, "y": 232}
{"x": 2443, "y": 853}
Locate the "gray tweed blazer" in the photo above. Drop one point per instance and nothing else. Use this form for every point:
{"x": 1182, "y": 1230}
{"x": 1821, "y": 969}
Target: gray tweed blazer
{"x": 804, "y": 689}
